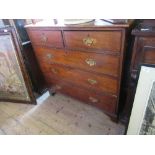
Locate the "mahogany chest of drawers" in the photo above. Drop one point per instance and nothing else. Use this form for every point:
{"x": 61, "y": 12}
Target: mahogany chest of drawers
{"x": 83, "y": 61}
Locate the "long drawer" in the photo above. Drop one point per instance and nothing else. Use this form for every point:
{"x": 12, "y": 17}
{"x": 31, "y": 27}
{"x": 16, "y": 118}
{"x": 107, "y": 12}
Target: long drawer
{"x": 95, "y": 62}
{"x": 105, "y": 102}
{"x": 82, "y": 78}
{"x": 101, "y": 40}
{"x": 46, "y": 38}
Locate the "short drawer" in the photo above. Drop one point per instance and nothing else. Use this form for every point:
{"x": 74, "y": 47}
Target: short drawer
{"x": 47, "y": 38}
{"x": 144, "y": 56}
{"x": 149, "y": 55}
{"x": 105, "y": 102}
{"x": 82, "y": 78}
{"x": 95, "y": 62}
{"x": 101, "y": 40}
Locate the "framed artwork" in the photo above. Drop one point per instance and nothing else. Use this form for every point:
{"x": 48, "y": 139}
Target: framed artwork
{"x": 142, "y": 119}
{"x": 14, "y": 81}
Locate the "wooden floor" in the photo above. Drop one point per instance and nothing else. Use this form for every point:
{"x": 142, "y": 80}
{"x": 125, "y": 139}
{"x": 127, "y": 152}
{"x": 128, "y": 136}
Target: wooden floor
{"x": 56, "y": 115}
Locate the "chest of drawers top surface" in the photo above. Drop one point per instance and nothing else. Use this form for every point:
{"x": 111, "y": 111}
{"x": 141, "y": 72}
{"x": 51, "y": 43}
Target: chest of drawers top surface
{"x": 86, "y": 58}
{"x": 97, "y": 24}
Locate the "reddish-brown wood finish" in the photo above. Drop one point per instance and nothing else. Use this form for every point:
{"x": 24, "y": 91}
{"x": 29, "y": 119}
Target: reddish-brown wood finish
{"x": 87, "y": 65}
{"x": 105, "y": 102}
{"x": 50, "y": 38}
{"x": 149, "y": 56}
{"x": 83, "y": 78}
{"x": 103, "y": 40}
{"x": 105, "y": 64}
{"x": 146, "y": 48}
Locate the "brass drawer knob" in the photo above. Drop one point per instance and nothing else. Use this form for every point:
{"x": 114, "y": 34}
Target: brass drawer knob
{"x": 92, "y": 81}
{"x": 88, "y": 41}
{"x": 55, "y": 71}
{"x": 90, "y": 62}
{"x": 57, "y": 87}
{"x": 93, "y": 100}
{"x": 44, "y": 38}
{"x": 49, "y": 56}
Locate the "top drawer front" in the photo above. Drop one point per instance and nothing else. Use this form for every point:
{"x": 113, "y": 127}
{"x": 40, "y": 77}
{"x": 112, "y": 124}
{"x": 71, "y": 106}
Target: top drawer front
{"x": 49, "y": 38}
{"x": 101, "y": 40}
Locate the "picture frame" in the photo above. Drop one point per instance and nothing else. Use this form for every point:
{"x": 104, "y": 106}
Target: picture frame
{"x": 15, "y": 85}
{"x": 142, "y": 119}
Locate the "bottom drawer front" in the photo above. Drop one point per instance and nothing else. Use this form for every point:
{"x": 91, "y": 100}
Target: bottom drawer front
{"x": 105, "y": 102}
